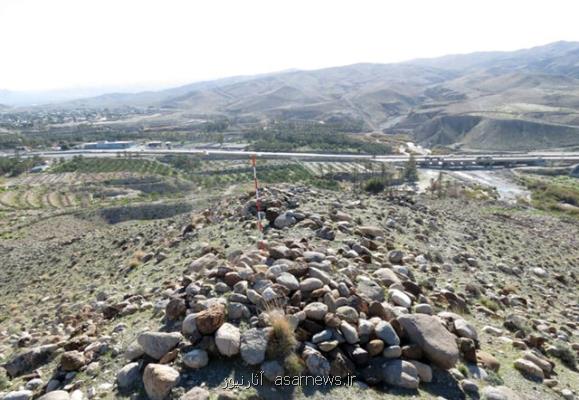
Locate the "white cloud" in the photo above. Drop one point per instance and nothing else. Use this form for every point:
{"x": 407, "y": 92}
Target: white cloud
{"x": 68, "y": 43}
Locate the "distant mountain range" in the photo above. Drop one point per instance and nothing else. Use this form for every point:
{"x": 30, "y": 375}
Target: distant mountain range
{"x": 523, "y": 99}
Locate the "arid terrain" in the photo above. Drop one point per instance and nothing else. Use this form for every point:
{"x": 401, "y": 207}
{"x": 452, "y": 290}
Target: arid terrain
{"x": 171, "y": 291}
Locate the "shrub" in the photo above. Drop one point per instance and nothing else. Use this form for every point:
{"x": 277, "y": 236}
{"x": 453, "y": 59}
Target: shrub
{"x": 282, "y": 341}
{"x": 4, "y": 382}
{"x": 463, "y": 370}
{"x": 494, "y": 379}
{"x": 490, "y": 304}
{"x": 136, "y": 259}
{"x": 374, "y": 185}
{"x": 410, "y": 170}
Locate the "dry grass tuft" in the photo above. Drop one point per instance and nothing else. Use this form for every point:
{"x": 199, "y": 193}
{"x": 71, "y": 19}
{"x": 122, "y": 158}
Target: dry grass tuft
{"x": 294, "y": 365}
{"x": 136, "y": 259}
{"x": 282, "y": 341}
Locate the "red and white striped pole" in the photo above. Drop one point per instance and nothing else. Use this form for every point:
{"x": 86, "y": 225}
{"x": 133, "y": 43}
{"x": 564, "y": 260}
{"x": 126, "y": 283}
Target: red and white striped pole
{"x": 257, "y": 200}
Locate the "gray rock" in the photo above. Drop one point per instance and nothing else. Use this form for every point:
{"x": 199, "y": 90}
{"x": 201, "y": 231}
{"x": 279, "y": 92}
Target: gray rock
{"x": 30, "y": 360}
{"x": 284, "y": 220}
{"x": 424, "y": 371}
{"x": 34, "y": 384}
{"x": 348, "y": 313}
{"x": 197, "y": 393}
{"x": 314, "y": 256}
{"x": 228, "y": 339}
{"x": 349, "y": 333}
{"x": 195, "y": 359}
{"x": 18, "y": 395}
{"x": 371, "y": 231}
{"x": 400, "y": 298}
{"x": 464, "y": 329}
{"x": 157, "y": 344}
{"x": 254, "y": 345}
{"x": 469, "y": 386}
{"x": 386, "y": 332}
{"x": 310, "y": 284}
{"x": 316, "y": 311}
{"x": 437, "y": 343}
{"x": 529, "y": 368}
{"x": 370, "y": 290}
{"x": 189, "y": 326}
{"x": 400, "y": 373}
{"x": 322, "y": 336}
{"x": 395, "y": 256}
{"x": 423, "y": 309}
{"x": 271, "y": 370}
{"x": 386, "y": 276}
{"x": 134, "y": 351}
{"x": 159, "y": 380}
{"x": 316, "y": 363}
{"x": 288, "y": 280}
{"x": 207, "y": 261}
{"x": 279, "y": 252}
{"x": 237, "y": 311}
{"x": 128, "y": 376}
{"x": 499, "y": 393}
{"x": 55, "y": 395}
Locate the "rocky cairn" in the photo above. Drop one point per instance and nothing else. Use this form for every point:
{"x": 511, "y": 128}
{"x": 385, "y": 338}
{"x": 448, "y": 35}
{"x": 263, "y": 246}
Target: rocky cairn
{"x": 324, "y": 295}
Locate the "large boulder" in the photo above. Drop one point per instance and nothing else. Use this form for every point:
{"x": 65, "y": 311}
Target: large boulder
{"x": 254, "y": 345}
{"x": 30, "y": 360}
{"x": 228, "y": 339}
{"x": 158, "y": 380}
{"x": 157, "y": 344}
{"x": 437, "y": 343}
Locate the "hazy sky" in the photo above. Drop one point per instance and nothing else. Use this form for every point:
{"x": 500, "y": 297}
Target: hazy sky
{"x": 78, "y": 43}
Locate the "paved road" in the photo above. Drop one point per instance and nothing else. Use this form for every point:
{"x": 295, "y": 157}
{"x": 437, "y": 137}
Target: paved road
{"x": 237, "y": 154}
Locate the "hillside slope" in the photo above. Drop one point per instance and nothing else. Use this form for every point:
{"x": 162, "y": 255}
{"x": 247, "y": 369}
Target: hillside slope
{"x": 538, "y": 87}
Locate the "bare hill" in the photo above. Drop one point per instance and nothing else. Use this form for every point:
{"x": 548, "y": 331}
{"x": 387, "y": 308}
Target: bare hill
{"x": 530, "y": 95}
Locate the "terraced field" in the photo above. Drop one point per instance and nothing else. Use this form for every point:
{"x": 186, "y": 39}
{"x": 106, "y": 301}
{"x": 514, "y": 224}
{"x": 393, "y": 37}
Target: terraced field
{"x": 81, "y": 182}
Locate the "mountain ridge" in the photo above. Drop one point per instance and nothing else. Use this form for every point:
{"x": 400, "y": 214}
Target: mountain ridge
{"x": 538, "y": 87}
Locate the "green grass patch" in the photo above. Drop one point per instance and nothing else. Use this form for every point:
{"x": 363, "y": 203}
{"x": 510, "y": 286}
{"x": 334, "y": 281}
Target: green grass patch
{"x": 556, "y": 194}
{"x": 98, "y": 165}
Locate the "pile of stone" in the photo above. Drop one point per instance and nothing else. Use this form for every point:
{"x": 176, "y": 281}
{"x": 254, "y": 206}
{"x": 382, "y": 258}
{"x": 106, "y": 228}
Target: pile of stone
{"x": 374, "y": 323}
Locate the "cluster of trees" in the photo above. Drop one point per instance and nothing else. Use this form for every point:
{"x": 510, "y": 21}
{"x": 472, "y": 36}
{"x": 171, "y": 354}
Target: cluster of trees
{"x": 377, "y": 183}
{"x": 292, "y": 137}
{"x": 187, "y": 164}
{"x": 14, "y": 166}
